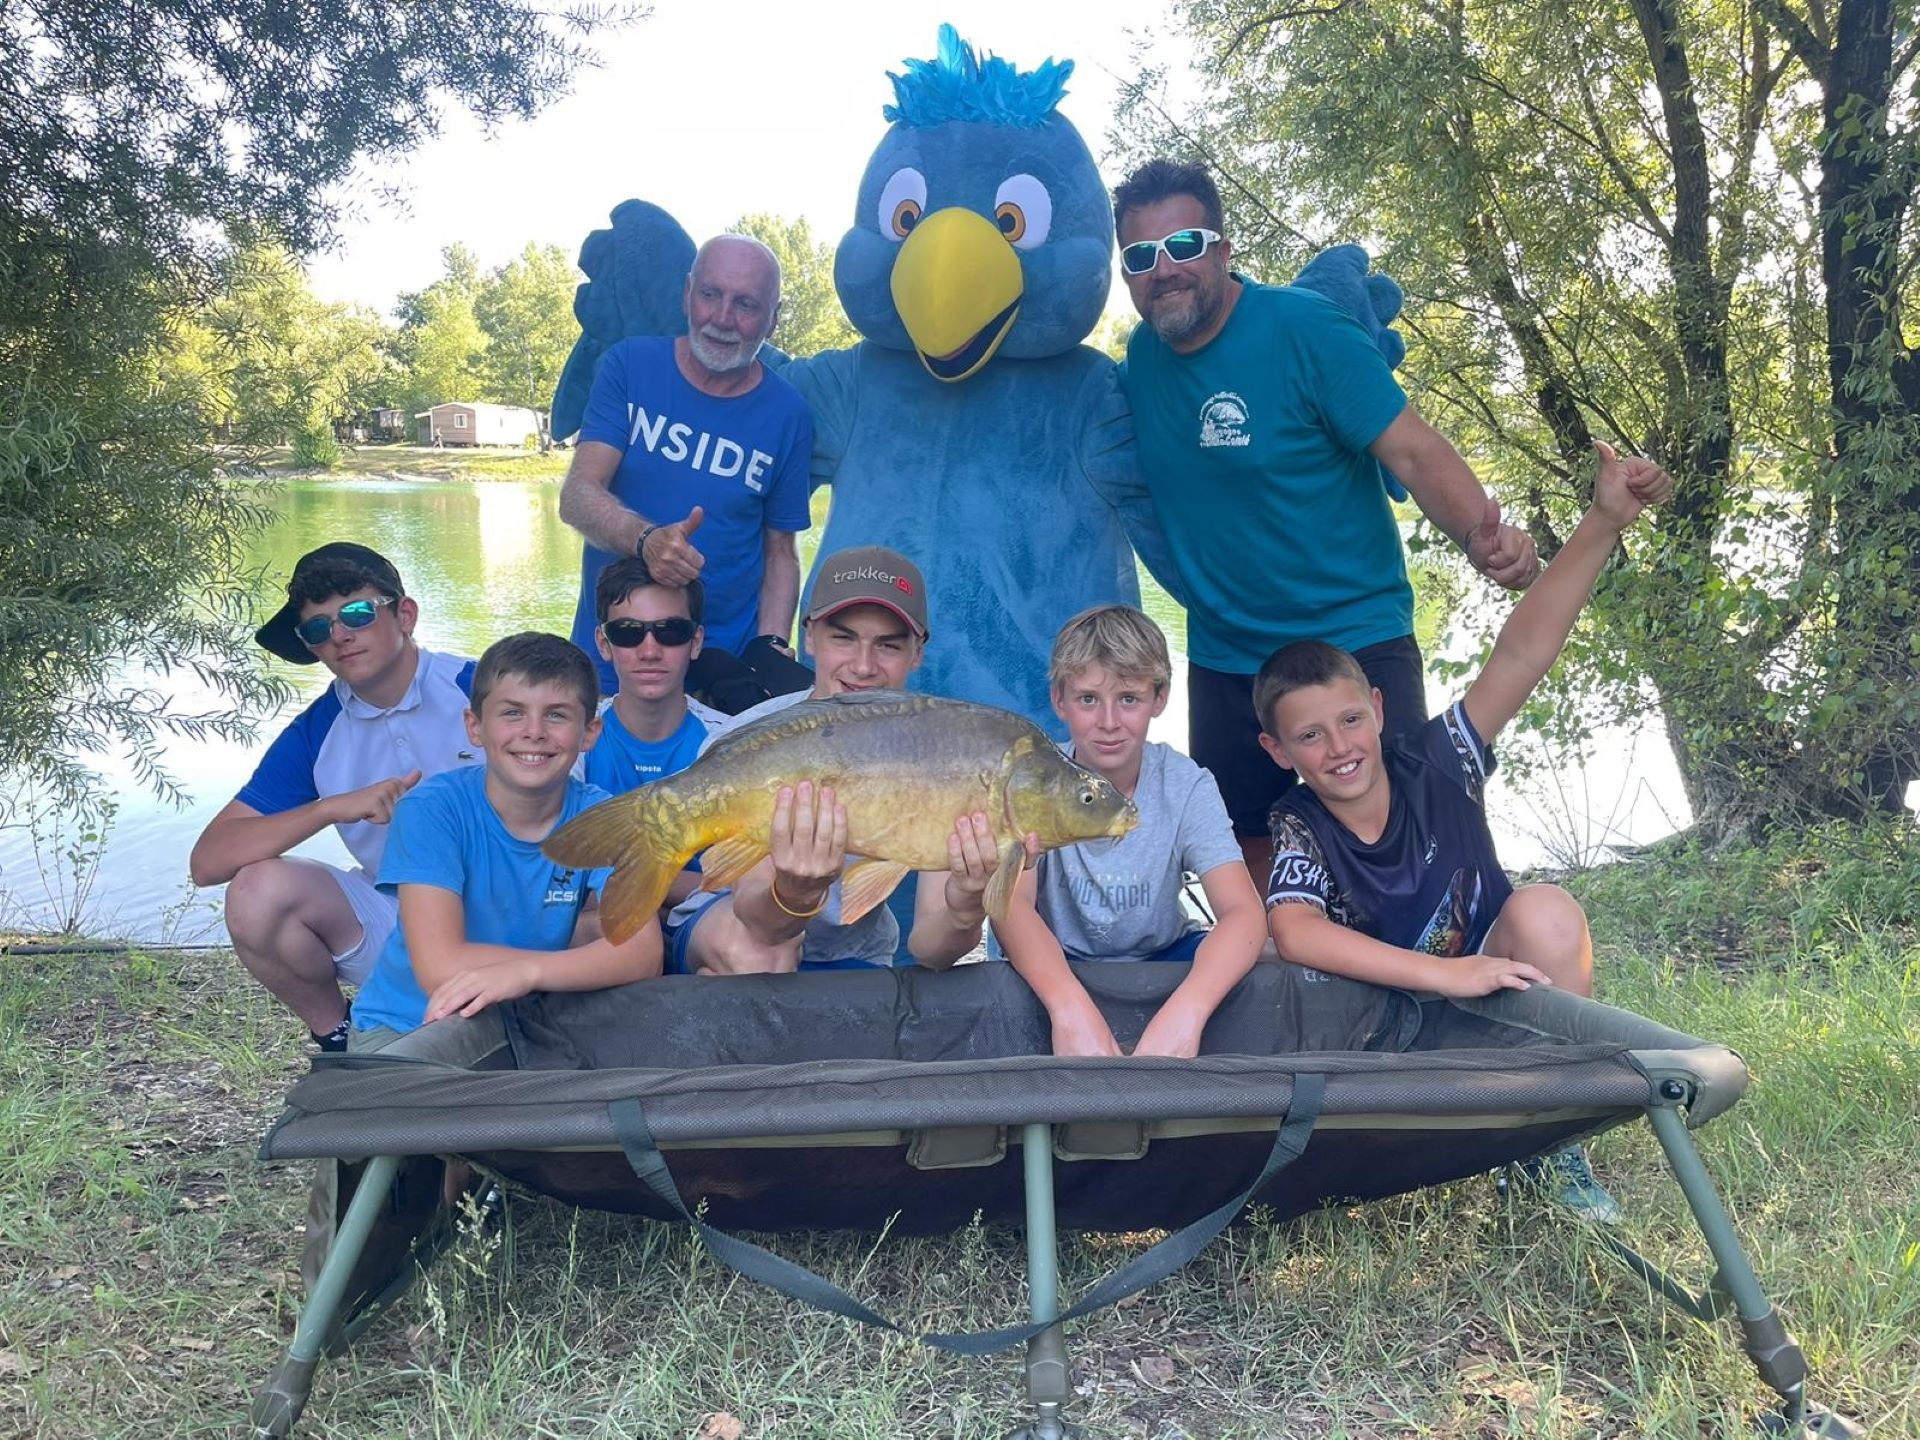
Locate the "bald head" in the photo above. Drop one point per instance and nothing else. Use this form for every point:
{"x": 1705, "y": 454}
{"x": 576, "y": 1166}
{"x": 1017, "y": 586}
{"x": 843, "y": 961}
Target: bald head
{"x": 732, "y": 300}
{"x": 743, "y": 250}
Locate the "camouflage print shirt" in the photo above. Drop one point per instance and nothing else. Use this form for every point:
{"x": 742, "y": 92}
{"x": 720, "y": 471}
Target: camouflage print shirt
{"x": 1431, "y": 882}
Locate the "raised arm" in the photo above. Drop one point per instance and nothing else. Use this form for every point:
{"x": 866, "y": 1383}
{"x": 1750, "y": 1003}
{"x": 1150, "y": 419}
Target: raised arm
{"x": 1536, "y": 631}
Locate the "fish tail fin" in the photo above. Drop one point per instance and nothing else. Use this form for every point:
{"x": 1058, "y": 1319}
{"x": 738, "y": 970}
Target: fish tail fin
{"x": 638, "y": 836}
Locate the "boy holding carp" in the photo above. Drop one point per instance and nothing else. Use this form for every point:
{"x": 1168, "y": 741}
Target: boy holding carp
{"x": 871, "y": 781}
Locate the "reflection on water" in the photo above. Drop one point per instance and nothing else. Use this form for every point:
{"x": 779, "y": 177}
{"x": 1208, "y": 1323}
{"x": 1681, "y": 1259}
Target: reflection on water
{"x": 485, "y": 560}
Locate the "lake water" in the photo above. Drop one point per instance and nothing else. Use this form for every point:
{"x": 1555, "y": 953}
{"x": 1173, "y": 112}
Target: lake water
{"x": 489, "y": 558}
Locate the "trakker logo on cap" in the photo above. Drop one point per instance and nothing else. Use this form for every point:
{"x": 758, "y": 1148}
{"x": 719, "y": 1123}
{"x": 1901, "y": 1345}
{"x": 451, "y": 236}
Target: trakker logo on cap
{"x": 868, "y": 572}
{"x": 871, "y": 575}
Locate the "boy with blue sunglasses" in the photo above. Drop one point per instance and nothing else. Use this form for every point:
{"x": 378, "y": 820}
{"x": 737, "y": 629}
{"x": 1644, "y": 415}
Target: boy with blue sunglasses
{"x": 393, "y": 714}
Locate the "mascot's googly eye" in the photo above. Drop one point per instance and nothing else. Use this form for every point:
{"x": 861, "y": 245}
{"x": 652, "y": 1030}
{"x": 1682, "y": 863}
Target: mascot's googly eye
{"x": 1023, "y": 210}
{"x": 903, "y": 199}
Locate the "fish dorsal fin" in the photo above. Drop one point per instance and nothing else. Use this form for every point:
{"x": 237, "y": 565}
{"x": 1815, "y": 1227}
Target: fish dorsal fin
{"x": 865, "y": 884}
{"x": 1013, "y": 857}
{"x": 725, "y": 862}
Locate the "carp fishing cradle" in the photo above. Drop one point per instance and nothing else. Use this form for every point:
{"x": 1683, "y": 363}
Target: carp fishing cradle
{"x": 916, "y": 1087}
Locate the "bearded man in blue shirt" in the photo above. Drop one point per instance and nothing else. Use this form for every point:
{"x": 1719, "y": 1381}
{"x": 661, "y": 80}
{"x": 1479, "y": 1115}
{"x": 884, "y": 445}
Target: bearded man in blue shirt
{"x": 1264, "y": 414}
{"x": 694, "y": 457}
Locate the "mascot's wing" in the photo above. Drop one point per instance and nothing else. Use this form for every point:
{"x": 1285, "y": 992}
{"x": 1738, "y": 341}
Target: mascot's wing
{"x": 635, "y": 269}
{"x": 1340, "y": 274}
{"x": 830, "y": 384}
{"x": 1111, "y": 462}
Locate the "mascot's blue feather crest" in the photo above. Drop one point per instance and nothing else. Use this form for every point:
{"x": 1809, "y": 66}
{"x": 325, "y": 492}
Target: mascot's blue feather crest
{"x": 957, "y": 85}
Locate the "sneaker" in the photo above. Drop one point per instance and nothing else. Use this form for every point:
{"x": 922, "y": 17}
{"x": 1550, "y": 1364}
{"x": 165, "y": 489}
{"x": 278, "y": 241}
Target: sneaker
{"x": 334, "y": 1042}
{"x": 1568, "y": 1180}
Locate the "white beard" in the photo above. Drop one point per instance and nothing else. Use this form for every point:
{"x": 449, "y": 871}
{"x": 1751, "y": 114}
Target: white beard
{"x": 720, "y": 358}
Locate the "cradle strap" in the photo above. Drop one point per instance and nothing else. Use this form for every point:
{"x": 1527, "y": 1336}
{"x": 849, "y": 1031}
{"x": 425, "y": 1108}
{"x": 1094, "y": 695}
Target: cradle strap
{"x": 799, "y": 1283}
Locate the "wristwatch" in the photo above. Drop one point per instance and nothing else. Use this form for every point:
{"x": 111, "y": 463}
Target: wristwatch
{"x": 640, "y": 545}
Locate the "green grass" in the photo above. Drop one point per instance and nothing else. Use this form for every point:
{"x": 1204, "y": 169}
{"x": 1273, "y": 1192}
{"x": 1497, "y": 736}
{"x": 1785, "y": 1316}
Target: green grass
{"x": 148, "y": 1265}
{"x": 422, "y": 462}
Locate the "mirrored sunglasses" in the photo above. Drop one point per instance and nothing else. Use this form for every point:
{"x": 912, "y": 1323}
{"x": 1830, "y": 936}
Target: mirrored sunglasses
{"x": 316, "y": 630}
{"x": 1181, "y": 246}
{"x": 674, "y": 631}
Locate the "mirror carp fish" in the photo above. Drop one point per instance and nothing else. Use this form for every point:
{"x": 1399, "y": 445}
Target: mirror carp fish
{"x": 904, "y": 766}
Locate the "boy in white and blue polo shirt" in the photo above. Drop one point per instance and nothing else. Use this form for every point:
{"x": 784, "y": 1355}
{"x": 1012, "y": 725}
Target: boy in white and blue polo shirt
{"x": 392, "y": 715}
{"x": 485, "y": 917}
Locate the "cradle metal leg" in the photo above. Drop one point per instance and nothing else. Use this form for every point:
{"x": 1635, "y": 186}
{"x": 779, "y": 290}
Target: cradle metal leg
{"x": 1047, "y": 1351}
{"x": 279, "y": 1402}
{"x": 1774, "y": 1352}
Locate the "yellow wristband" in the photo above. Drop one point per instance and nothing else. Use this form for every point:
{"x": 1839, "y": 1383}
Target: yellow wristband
{"x": 773, "y": 889}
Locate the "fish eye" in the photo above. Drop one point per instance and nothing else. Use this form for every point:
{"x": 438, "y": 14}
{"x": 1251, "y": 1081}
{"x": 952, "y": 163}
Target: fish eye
{"x": 1086, "y": 797}
{"x": 903, "y": 199}
{"x": 1023, "y": 210}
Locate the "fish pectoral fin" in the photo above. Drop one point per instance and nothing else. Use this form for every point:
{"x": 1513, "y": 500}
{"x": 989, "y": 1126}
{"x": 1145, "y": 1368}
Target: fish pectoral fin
{"x": 632, "y": 896}
{"x": 1013, "y": 858}
{"x": 865, "y": 883}
{"x": 726, "y": 861}
{"x": 599, "y": 836}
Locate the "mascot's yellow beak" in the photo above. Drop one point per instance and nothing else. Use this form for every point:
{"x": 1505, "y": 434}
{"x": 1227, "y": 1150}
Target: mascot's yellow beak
{"x": 957, "y": 284}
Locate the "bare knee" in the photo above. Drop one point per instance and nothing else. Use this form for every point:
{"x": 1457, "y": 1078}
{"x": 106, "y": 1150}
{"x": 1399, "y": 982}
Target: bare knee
{"x": 1545, "y": 926}
{"x": 278, "y": 906}
{"x": 260, "y": 899}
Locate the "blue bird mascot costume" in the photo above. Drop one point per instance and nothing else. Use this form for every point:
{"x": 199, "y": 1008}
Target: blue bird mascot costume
{"x": 970, "y": 429}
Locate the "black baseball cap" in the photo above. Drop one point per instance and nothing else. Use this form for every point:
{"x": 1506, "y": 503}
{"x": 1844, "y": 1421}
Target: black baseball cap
{"x": 276, "y": 637}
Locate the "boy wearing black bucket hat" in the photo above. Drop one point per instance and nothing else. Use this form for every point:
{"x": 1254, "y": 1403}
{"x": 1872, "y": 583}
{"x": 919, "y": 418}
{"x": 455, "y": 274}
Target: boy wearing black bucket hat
{"x": 393, "y": 715}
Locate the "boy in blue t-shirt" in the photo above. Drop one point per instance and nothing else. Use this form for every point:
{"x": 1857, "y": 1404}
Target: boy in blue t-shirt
{"x": 1120, "y": 899}
{"x": 484, "y": 916}
{"x": 649, "y": 633}
{"x": 1383, "y": 868}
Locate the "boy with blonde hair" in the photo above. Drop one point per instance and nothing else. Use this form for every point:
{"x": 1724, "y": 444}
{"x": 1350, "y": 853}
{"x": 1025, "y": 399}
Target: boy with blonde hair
{"x": 1119, "y": 899}
{"x": 1384, "y": 869}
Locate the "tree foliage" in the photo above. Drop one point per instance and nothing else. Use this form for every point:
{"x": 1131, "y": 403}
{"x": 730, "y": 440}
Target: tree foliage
{"x": 441, "y": 347}
{"x": 811, "y": 319}
{"x": 141, "y": 141}
{"x": 280, "y": 364}
{"x": 1678, "y": 225}
{"x": 526, "y": 309}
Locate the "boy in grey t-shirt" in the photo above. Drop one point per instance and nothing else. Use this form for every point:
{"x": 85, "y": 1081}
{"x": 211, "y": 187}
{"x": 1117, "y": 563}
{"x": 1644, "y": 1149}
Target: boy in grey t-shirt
{"x": 1120, "y": 899}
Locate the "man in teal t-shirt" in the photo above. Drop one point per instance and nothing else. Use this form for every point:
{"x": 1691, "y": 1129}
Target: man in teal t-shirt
{"x": 1263, "y": 415}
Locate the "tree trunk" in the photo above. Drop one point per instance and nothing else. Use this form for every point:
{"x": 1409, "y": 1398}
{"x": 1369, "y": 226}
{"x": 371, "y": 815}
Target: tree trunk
{"x": 1875, "y": 386}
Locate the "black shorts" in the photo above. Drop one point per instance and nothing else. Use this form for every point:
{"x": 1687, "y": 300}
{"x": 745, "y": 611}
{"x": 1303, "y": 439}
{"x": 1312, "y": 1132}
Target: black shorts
{"x": 1223, "y": 733}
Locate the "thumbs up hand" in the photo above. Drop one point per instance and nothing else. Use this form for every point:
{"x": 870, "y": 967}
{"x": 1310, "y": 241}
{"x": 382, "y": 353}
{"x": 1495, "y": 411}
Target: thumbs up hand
{"x": 669, "y": 551}
{"x": 1503, "y": 553}
{"x": 1623, "y": 488}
